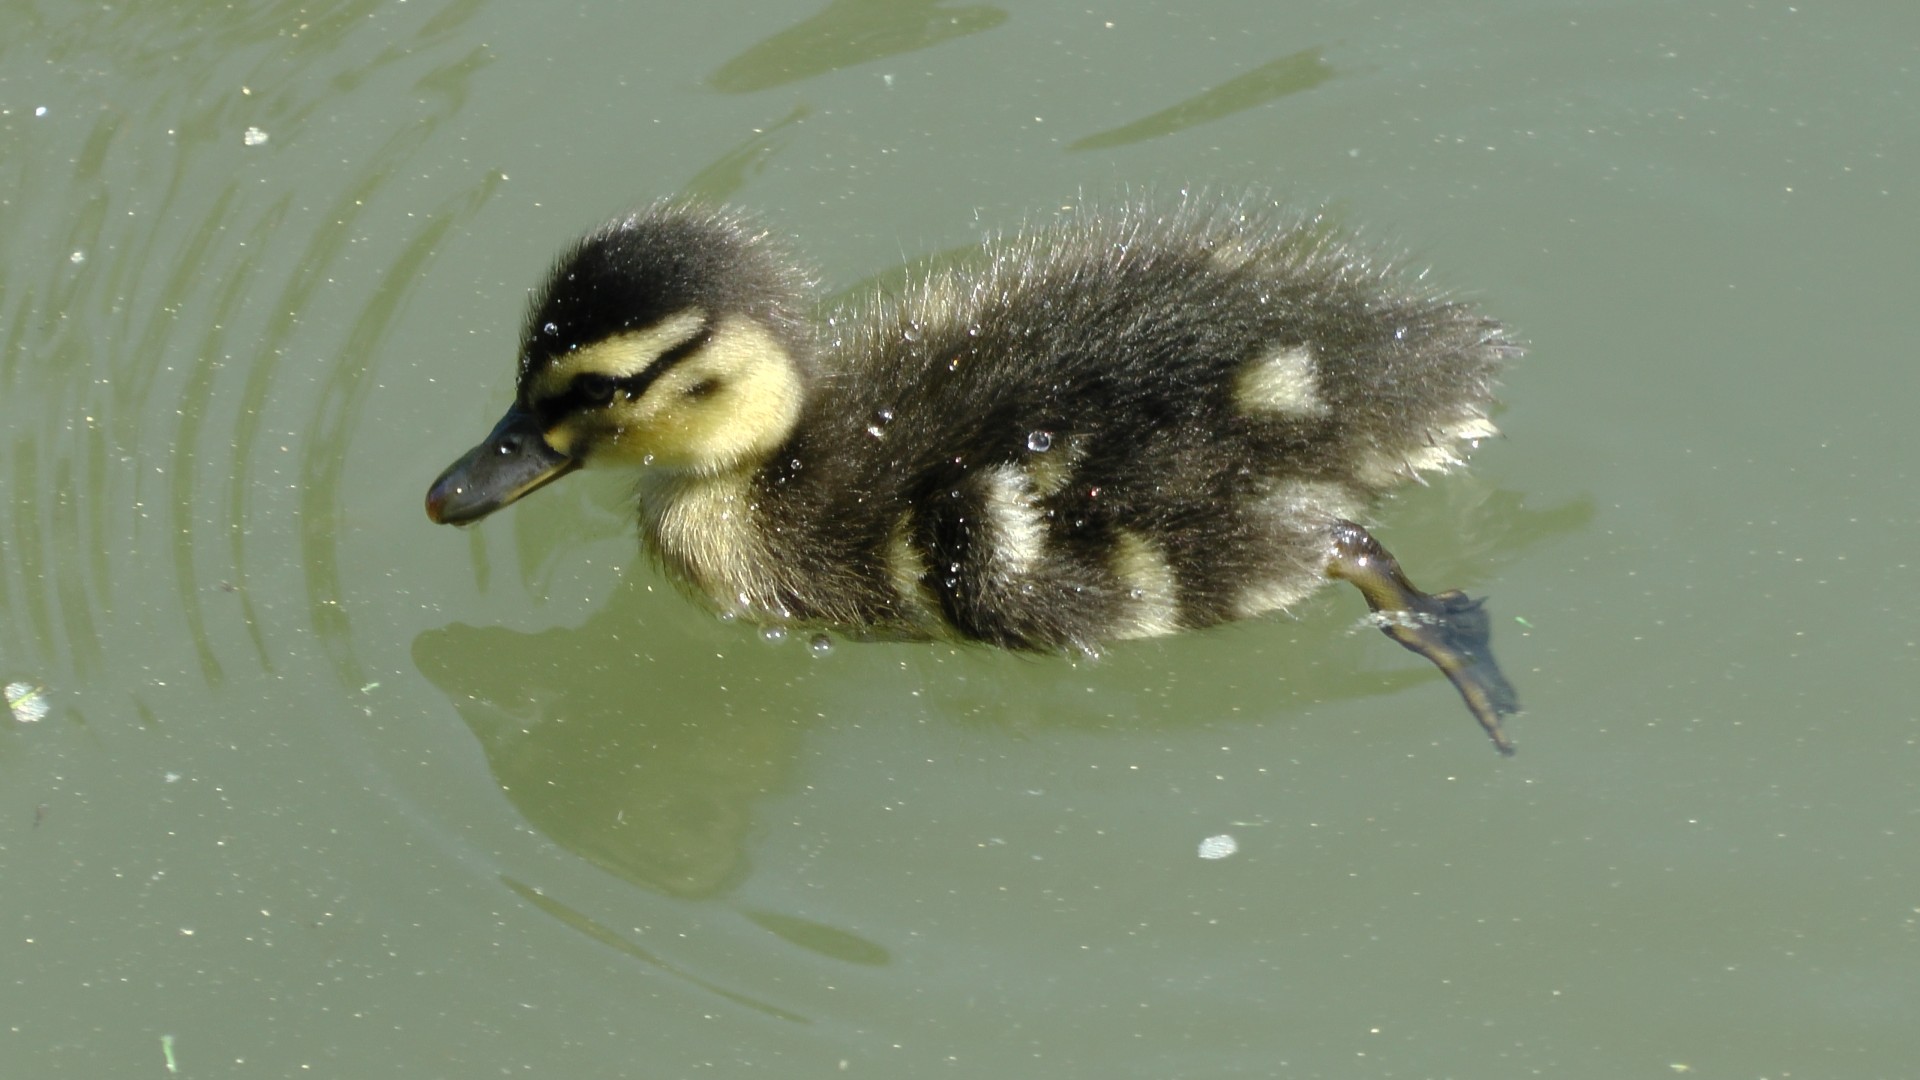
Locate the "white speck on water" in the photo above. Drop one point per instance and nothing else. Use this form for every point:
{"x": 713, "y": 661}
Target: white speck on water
{"x": 40, "y": 110}
{"x": 77, "y": 258}
{"x": 1218, "y": 847}
{"x": 1040, "y": 441}
{"x": 253, "y": 136}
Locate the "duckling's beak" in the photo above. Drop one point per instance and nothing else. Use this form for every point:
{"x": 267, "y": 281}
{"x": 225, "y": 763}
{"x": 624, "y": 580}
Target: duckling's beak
{"x": 514, "y": 460}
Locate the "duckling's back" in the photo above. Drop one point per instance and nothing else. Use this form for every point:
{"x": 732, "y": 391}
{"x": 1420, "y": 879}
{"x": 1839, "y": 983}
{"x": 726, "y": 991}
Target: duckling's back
{"x": 1119, "y": 427}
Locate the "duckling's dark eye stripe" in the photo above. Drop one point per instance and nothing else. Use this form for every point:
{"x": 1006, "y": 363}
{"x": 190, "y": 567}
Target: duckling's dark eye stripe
{"x": 586, "y": 391}
{"x": 635, "y": 385}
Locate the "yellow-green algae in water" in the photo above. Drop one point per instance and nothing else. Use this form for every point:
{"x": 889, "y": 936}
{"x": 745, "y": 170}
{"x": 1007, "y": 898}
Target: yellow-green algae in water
{"x": 27, "y": 702}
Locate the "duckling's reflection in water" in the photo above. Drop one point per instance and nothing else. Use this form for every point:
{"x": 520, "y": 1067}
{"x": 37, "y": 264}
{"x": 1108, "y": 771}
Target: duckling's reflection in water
{"x": 660, "y": 797}
{"x": 643, "y": 742}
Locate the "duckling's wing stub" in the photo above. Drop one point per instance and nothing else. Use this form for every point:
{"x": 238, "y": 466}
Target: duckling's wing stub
{"x": 512, "y": 461}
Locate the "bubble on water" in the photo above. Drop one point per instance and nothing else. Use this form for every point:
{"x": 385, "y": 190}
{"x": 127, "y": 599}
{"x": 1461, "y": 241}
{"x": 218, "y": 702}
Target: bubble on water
{"x": 1218, "y": 847}
{"x": 1040, "y": 441}
{"x": 820, "y": 645}
{"x": 773, "y": 634}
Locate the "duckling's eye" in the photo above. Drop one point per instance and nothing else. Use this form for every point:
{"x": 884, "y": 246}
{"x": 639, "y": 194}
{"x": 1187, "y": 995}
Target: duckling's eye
{"x": 594, "y": 388}
{"x": 703, "y": 388}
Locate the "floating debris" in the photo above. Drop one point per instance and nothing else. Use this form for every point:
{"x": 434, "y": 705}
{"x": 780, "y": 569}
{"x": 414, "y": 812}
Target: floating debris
{"x": 1218, "y": 847}
{"x": 28, "y": 702}
{"x": 253, "y": 137}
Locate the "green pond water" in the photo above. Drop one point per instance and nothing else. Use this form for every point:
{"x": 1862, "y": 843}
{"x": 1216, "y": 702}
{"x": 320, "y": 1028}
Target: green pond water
{"x": 298, "y": 784}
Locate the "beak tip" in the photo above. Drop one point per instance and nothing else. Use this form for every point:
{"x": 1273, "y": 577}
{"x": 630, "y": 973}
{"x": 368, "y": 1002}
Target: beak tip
{"x": 512, "y": 461}
{"x": 437, "y": 500}
{"x": 445, "y": 505}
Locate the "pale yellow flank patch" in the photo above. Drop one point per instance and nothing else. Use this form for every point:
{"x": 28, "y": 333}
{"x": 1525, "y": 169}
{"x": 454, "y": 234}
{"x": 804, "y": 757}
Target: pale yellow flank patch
{"x": 907, "y": 572}
{"x": 1051, "y": 470}
{"x": 1385, "y": 468}
{"x": 702, "y": 528}
{"x": 1473, "y": 429}
{"x": 1019, "y": 536}
{"x": 1153, "y": 596}
{"x": 1300, "y": 512}
{"x": 1283, "y": 382}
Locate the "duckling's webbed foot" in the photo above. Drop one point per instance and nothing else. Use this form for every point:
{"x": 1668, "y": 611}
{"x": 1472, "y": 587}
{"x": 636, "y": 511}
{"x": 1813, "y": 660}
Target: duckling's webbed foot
{"x": 1449, "y": 628}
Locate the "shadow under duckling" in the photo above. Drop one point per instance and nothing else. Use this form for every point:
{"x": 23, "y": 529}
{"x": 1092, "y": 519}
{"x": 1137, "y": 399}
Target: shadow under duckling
{"x": 1125, "y": 425}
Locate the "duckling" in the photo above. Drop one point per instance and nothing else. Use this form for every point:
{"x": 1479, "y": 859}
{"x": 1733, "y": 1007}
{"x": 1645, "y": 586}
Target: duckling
{"x": 1121, "y": 426}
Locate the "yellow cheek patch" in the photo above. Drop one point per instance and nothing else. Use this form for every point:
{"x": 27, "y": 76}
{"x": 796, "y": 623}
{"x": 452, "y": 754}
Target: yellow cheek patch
{"x": 753, "y": 406}
{"x": 727, "y": 404}
{"x": 561, "y": 437}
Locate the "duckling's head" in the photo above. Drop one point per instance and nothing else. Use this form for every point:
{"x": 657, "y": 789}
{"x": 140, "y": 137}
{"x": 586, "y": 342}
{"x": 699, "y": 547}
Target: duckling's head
{"x": 670, "y": 338}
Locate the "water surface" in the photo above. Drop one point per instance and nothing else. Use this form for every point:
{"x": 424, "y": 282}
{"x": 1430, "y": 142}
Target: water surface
{"x": 324, "y": 790}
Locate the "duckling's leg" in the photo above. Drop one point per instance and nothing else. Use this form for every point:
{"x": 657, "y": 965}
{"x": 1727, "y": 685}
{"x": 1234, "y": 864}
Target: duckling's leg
{"x": 1448, "y": 628}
